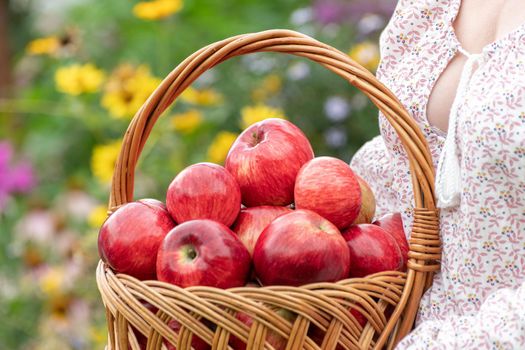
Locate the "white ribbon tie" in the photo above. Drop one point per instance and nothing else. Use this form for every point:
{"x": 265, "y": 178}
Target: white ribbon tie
{"x": 448, "y": 177}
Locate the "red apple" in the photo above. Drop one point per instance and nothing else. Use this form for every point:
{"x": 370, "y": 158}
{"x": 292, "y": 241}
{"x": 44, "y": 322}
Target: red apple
{"x": 129, "y": 239}
{"x": 372, "y": 250}
{"x": 317, "y": 335}
{"x": 252, "y": 284}
{"x": 252, "y": 221}
{"x": 155, "y": 202}
{"x": 265, "y": 160}
{"x": 329, "y": 187}
{"x": 299, "y": 248}
{"x": 368, "y": 203}
{"x": 141, "y": 338}
{"x": 393, "y": 224}
{"x": 204, "y": 191}
{"x": 203, "y": 253}
{"x": 272, "y": 337}
{"x": 360, "y": 318}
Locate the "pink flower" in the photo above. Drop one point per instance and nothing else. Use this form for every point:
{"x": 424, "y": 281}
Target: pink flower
{"x": 14, "y": 178}
{"x": 336, "y": 11}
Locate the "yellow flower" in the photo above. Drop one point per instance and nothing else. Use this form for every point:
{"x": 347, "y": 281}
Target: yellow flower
{"x": 97, "y": 216}
{"x": 366, "y": 54}
{"x": 204, "y": 97}
{"x": 219, "y": 147}
{"x": 157, "y": 9}
{"x": 270, "y": 86}
{"x": 103, "y": 160}
{"x": 52, "y": 282}
{"x": 77, "y": 79}
{"x": 187, "y": 122}
{"x": 99, "y": 336}
{"x": 127, "y": 89}
{"x": 42, "y": 46}
{"x": 254, "y": 114}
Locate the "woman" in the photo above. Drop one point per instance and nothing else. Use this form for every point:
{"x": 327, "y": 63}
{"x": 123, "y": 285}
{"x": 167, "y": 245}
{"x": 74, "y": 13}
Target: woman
{"x": 459, "y": 69}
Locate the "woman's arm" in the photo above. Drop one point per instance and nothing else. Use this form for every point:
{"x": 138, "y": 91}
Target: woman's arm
{"x": 372, "y": 163}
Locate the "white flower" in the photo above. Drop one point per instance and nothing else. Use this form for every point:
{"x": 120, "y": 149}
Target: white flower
{"x": 336, "y": 108}
{"x": 259, "y": 64}
{"x": 370, "y": 23}
{"x": 298, "y": 71}
{"x": 37, "y": 226}
{"x": 8, "y": 289}
{"x": 301, "y": 16}
{"x": 207, "y": 78}
{"x": 331, "y": 30}
{"x": 335, "y": 137}
{"x": 78, "y": 204}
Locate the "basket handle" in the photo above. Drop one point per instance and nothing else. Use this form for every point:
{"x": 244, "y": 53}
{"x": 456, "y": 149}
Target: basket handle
{"x": 285, "y": 41}
{"x": 425, "y": 241}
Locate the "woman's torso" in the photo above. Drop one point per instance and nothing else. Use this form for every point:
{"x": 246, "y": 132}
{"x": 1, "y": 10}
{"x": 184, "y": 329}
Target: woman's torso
{"x": 484, "y": 237}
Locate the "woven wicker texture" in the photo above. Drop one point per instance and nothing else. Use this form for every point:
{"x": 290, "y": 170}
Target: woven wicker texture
{"x": 320, "y": 317}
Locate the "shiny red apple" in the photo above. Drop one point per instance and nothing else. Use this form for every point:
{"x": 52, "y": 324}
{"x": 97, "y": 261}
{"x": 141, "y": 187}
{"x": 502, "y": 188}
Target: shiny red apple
{"x": 203, "y": 253}
{"x": 265, "y": 160}
{"x": 372, "y": 250}
{"x": 204, "y": 191}
{"x": 129, "y": 239}
{"x": 252, "y": 221}
{"x": 329, "y": 187}
{"x": 360, "y": 318}
{"x": 299, "y": 248}
{"x": 142, "y": 340}
{"x": 393, "y": 224}
{"x": 317, "y": 335}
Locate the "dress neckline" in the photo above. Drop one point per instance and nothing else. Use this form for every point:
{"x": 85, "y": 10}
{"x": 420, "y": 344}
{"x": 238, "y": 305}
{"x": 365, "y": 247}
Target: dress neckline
{"x": 488, "y": 48}
{"x": 448, "y": 173}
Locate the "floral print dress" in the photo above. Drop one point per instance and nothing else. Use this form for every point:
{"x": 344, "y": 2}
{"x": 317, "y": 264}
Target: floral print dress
{"x": 477, "y": 300}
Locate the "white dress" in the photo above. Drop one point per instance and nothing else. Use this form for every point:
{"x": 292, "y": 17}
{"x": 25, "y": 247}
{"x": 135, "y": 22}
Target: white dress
{"x": 477, "y": 300}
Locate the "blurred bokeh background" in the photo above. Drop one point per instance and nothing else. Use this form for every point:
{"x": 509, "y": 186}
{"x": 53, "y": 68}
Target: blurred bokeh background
{"x": 73, "y": 73}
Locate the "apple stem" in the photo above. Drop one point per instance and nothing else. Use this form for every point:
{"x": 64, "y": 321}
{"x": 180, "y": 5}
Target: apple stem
{"x": 257, "y": 137}
{"x": 190, "y": 252}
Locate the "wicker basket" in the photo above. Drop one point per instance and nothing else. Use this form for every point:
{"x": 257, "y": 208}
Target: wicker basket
{"x": 323, "y": 306}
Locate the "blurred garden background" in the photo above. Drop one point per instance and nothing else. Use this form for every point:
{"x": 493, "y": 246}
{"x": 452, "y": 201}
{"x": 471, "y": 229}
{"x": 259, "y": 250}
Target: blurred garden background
{"x": 73, "y": 73}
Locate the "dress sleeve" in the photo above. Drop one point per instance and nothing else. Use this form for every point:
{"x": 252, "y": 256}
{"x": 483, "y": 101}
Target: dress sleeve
{"x": 372, "y": 163}
{"x": 499, "y": 324}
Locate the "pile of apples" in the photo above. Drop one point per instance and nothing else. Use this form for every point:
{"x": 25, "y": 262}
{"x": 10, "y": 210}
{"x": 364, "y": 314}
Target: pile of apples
{"x": 273, "y": 215}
